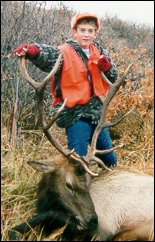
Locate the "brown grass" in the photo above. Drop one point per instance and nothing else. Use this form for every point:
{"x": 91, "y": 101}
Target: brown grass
{"x": 19, "y": 181}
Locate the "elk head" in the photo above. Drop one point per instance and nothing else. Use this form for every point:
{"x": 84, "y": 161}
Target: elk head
{"x": 66, "y": 189}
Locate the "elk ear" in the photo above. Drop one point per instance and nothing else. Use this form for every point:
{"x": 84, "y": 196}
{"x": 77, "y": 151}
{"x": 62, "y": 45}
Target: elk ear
{"x": 43, "y": 166}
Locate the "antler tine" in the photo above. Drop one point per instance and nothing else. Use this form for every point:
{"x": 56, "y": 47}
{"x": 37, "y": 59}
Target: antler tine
{"x": 120, "y": 79}
{"x": 83, "y": 163}
{"x": 24, "y": 73}
{"x": 93, "y": 159}
{"x": 39, "y": 86}
{"x": 113, "y": 88}
{"x": 110, "y": 124}
{"x": 54, "y": 70}
{"x": 46, "y": 127}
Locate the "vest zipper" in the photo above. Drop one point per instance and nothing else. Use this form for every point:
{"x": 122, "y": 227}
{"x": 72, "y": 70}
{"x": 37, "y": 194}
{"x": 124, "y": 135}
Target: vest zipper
{"x": 90, "y": 82}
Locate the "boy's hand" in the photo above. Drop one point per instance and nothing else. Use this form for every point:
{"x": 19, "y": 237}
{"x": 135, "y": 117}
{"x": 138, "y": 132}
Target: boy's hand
{"x": 25, "y": 49}
{"x": 103, "y": 63}
{"x": 21, "y": 50}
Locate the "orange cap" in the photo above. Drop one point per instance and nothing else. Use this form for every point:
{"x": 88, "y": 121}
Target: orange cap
{"x": 79, "y": 16}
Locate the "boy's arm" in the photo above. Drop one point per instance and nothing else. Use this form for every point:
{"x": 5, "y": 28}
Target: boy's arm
{"x": 112, "y": 73}
{"x": 41, "y": 55}
{"x": 46, "y": 58}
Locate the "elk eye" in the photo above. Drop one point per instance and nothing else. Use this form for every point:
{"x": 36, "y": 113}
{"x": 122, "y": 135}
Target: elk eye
{"x": 69, "y": 186}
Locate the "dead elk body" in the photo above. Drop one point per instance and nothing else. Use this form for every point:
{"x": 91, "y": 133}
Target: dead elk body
{"x": 121, "y": 201}
{"x": 113, "y": 205}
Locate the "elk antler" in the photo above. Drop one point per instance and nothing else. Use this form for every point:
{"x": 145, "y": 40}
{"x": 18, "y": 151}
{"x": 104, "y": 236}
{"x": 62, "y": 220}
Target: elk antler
{"x": 40, "y": 87}
{"x": 113, "y": 88}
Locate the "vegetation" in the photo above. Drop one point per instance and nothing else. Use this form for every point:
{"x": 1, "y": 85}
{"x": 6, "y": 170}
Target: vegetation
{"x": 22, "y": 138}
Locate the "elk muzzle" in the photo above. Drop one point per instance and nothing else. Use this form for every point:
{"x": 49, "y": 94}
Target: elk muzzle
{"x": 87, "y": 223}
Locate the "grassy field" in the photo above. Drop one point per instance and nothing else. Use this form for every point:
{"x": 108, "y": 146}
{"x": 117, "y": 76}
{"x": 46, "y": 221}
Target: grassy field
{"x": 19, "y": 181}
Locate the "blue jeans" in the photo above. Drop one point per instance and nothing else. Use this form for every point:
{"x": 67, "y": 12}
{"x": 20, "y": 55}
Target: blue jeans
{"x": 79, "y": 136}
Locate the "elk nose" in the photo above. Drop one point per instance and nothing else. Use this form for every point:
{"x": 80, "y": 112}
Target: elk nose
{"x": 93, "y": 223}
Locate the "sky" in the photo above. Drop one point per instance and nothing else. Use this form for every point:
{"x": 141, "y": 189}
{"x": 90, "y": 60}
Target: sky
{"x": 138, "y": 12}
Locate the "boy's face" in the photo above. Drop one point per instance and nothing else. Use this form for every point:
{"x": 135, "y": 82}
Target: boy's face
{"x": 85, "y": 34}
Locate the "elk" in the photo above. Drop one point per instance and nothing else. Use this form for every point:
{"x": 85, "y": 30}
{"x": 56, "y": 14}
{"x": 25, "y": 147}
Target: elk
{"x": 111, "y": 205}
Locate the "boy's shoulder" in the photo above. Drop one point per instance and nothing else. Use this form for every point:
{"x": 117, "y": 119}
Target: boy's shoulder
{"x": 100, "y": 48}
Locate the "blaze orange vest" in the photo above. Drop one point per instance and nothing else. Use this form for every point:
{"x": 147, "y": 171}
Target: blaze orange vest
{"x": 74, "y": 83}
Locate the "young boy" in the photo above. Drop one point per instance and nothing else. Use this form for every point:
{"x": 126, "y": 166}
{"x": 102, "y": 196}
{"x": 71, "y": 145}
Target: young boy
{"x": 79, "y": 80}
